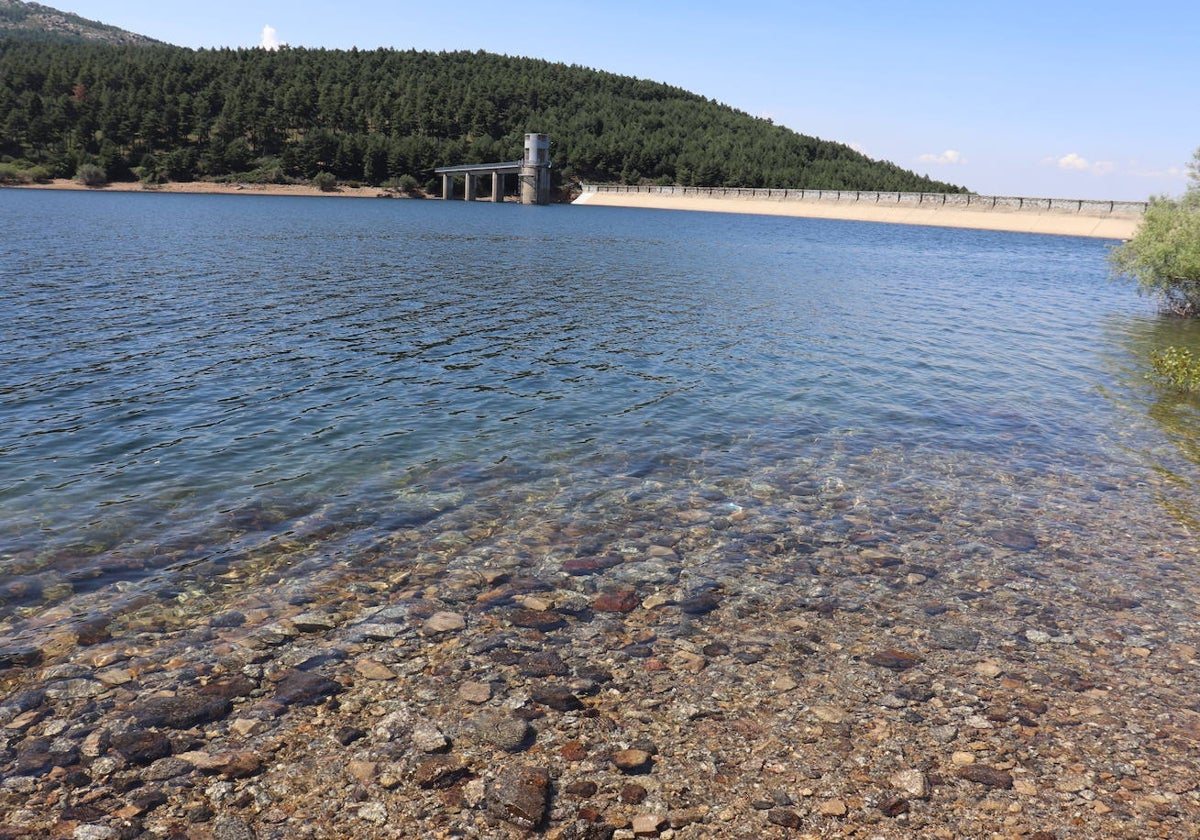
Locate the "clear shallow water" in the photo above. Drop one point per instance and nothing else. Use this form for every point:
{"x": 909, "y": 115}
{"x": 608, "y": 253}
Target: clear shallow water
{"x": 189, "y": 384}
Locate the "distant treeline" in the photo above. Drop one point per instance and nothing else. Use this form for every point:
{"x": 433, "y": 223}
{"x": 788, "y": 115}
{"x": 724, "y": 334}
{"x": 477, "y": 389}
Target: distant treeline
{"x": 169, "y": 113}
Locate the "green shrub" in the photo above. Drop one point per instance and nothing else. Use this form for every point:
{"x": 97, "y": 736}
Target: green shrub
{"x": 405, "y": 183}
{"x": 22, "y": 172}
{"x": 91, "y": 175}
{"x": 1163, "y": 256}
{"x": 325, "y": 181}
{"x": 1177, "y": 368}
{"x": 11, "y": 174}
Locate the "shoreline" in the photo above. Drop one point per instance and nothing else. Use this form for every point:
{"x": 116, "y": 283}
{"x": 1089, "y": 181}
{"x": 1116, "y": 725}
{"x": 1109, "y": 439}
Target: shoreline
{"x": 1009, "y": 220}
{"x": 1012, "y": 221}
{"x": 211, "y": 188}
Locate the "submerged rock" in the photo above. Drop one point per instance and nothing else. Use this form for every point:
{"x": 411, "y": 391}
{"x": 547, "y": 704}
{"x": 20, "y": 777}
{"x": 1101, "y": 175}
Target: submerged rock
{"x": 520, "y": 795}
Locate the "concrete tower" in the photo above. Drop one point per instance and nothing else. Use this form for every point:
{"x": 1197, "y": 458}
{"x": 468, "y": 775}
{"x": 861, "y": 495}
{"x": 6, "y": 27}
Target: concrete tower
{"x": 535, "y": 170}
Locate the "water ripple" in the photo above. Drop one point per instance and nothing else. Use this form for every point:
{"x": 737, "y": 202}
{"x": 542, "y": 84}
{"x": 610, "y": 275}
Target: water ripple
{"x": 179, "y": 356}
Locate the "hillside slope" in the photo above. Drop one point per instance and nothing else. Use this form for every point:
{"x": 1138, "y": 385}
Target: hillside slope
{"x": 34, "y": 21}
{"x": 162, "y": 112}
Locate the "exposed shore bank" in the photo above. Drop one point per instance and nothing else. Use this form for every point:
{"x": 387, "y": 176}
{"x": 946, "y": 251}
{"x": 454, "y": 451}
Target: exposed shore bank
{"x": 208, "y": 187}
{"x": 1025, "y": 220}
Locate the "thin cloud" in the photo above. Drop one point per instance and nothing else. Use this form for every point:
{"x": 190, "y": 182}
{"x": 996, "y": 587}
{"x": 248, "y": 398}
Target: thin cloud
{"x": 1072, "y": 161}
{"x": 270, "y": 39}
{"x": 1078, "y": 163}
{"x": 950, "y": 157}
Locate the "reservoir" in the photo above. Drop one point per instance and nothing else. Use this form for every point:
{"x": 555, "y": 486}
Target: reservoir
{"x": 200, "y": 391}
{"x": 337, "y": 518}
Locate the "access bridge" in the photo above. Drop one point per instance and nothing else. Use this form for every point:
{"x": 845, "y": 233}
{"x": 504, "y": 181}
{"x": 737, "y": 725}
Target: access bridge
{"x": 532, "y": 171}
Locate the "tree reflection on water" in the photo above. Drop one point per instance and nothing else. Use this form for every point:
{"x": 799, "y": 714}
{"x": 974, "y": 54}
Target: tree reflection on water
{"x": 1175, "y": 458}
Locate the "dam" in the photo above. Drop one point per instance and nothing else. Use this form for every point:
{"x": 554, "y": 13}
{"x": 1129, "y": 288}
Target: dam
{"x": 1056, "y": 216}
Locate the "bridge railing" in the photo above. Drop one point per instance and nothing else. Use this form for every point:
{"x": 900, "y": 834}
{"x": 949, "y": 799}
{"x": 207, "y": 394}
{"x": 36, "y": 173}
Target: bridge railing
{"x": 1083, "y": 206}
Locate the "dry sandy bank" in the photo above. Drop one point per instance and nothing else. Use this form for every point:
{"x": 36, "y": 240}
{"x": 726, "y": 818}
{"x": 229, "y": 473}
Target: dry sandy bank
{"x": 1020, "y": 221}
{"x": 222, "y": 189}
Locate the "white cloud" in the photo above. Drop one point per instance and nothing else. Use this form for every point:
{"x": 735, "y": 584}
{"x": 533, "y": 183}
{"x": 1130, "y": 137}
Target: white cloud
{"x": 1077, "y": 163}
{"x": 270, "y": 40}
{"x": 949, "y": 157}
{"x": 1072, "y": 161}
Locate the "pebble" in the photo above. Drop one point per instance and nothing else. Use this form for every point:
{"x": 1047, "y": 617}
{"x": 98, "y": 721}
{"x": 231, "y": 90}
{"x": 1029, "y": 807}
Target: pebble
{"x": 501, "y": 730}
{"x": 233, "y": 764}
{"x": 141, "y": 746}
{"x": 701, "y": 603}
{"x": 475, "y": 692}
{"x": 914, "y": 783}
{"x": 373, "y": 670}
{"x": 556, "y": 697}
{"x": 444, "y": 622}
{"x": 1014, "y": 538}
{"x": 537, "y": 619}
{"x": 313, "y": 622}
{"x": 428, "y": 738}
{"x": 987, "y": 776}
{"x": 621, "y": 600}
{"x": 633, "y": 794}
{"x": 231, "y": 828}
{"x": 583, "y": 789}
{"x": 631, "y": 760}
{"x": 166, "y": 768}
{"x": 833, "y": 808}
{"x": 828, "y": 714}
{"x": 894, "y": 659}
{"x": 784, "y": 683}
{"x": 520, "y": 795}
{"x": 181, "y": 712}
{"x": 955, "y": 638}
{"x": 590, "y": 565}
{"x": 304, "y": 688}
{"x": 373, "y": 812}
{"x": 648, "y": 825}
{"x": 545, "y": 663}
{"x": 785, "y": 817}
{"x": 439, "y": 771}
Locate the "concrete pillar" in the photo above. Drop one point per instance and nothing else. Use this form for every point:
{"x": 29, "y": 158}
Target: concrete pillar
{"x": 535, "y": 184}
{"x": 447, "y": 185}
{"x": 470, "y": 188}
{"x": 497, "y": 187}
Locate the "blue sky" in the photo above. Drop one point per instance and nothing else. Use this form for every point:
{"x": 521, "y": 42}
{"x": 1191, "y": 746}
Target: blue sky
{"x": 1063, "y": 99}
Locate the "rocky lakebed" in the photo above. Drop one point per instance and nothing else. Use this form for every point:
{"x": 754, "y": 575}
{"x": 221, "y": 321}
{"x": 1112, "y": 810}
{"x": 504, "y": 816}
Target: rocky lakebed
{"x": 848, "y": 654}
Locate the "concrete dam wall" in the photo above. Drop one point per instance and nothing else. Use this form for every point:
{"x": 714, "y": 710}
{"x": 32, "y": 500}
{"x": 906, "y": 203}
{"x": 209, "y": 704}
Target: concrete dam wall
{"x": 1087, "y": 207}
{"x": 1056, "y": 216}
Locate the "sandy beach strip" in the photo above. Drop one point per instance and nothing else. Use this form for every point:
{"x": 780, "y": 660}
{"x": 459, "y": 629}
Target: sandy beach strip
{"x": 212, "y": 188}
{"x": 1018, "y": 221}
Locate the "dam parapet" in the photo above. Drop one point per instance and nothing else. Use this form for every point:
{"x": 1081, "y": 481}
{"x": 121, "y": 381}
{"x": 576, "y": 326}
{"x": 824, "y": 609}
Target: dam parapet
{"x": 931, "y": 201}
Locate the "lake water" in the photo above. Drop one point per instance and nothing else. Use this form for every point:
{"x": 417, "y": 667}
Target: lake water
{"x": 202, "y": 396}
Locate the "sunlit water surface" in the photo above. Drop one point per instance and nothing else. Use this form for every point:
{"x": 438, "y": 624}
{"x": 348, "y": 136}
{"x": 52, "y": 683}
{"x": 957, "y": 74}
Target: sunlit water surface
{"x": 192, "y": 385}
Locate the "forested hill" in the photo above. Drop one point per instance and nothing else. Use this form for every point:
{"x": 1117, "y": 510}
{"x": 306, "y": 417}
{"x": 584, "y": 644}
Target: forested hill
{"x": 162, "y": 112}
